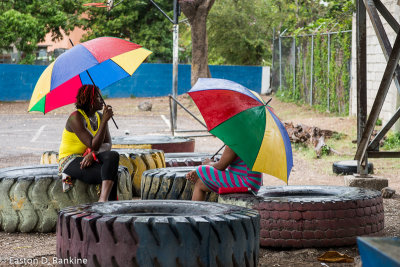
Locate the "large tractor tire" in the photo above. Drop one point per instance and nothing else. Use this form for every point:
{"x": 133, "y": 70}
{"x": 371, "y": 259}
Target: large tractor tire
{"x": 31, "y": 196}
{"x": 186, "y": 159}
{"x": 168, "y": 144}
{"x": 135, "y": 160}
{"x": 313, "y": 216}
{"x": 346, "y": 167}
{"x": 159, "y": 233}
{"x": 170, "y": 183}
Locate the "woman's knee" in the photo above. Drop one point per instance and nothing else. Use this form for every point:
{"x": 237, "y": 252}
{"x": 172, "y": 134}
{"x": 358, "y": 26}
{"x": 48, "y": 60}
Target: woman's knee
{"x": 111, "y": 156}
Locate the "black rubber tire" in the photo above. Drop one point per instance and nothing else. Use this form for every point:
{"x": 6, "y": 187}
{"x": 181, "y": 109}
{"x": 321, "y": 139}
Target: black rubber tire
{"x": 159, "y": 233}
{"x": 31, "y": 196}
{"x": 187, "y": 159}
{"x": 346, "y": 167}
{"x": 168, "y": 144}
{"x": 170, "y": 183}
{"x": 135, "y": 160}
{"x": 313, "y": 216}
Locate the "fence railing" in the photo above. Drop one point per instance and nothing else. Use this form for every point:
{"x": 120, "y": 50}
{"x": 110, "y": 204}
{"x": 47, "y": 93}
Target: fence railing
{"x": 313, "y": 69}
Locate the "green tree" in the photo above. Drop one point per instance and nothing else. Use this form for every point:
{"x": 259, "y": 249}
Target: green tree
{"x": 240, "y": 32}
{"x": 197, "y": 11}
{"x": 139, "y": 21}
{"x": 26, "y": 23}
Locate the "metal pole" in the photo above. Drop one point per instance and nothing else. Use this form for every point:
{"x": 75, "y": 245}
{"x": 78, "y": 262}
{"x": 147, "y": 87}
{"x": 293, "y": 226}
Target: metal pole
{"x": 294, "y": 65}
{"x": 171, "y": 115}
{"x": 175, "y": 37}
{"x": 280, "y": 63}
{"x": 312, "y": 70}
{"x": 280, "y": 59}
{"x": 329, "y": 67}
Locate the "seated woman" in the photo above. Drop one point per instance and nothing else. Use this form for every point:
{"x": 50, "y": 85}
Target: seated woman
{"x": 229, "y": 172}
{"x": 86, "y": 143}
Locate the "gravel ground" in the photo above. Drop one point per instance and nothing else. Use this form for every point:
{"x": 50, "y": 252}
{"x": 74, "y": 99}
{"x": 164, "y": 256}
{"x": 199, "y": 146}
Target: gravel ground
{"x": 24, "y": 137}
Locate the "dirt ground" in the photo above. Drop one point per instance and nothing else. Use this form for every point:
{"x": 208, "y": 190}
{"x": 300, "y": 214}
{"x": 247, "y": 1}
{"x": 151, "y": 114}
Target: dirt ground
{"x": 307, "y": 170}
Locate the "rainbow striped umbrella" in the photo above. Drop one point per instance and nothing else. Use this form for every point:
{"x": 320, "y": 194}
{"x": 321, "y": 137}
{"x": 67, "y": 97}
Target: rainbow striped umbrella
{"x": 105, "y": 59}
{"x": 244, "y": 122}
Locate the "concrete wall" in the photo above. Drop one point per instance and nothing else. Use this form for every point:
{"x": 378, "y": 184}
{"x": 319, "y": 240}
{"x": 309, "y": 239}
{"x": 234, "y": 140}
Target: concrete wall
{"x": 150, "y": 80}
{"x": 376, "y": 64}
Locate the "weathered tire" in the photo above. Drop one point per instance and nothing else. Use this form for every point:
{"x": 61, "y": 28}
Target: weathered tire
{"x": 168, "y": 144}
{"x": 49, "y": 157}
{"x": 170, "y": 183}
{"x": 313, "y": 216}
{"x": 138, "y": 161}
{"x": 135, "y": 160}
{"x": 31, "y": 196}
{"x": 349, "y": 167}
{"x": 159, "y": 233}
{"x": 186, "y": 159}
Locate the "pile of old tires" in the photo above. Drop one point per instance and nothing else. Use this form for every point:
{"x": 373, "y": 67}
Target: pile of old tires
{"x": 31, "y": 197}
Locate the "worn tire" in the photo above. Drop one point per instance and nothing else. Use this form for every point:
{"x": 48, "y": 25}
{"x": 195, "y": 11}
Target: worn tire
{"x": 49, "y": 157}
{"x": 170, "y": 183}
{"x": 138, "y": 161}
{"x": 349, "y": 167}
{"x": 168, "y": 144}
{"x": 313, "y": 216}
{"x": 159, "y": 233}
{"x": 31, "y": 196}
{"x": 135, "y": 160}
{"x": 186, "y": 159}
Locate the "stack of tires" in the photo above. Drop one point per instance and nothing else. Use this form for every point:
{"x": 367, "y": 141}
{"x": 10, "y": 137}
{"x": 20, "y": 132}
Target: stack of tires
{"x": 31, "y": 197}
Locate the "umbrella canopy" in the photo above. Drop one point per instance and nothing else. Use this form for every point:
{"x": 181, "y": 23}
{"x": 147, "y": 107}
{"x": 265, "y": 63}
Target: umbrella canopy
{"x": 242, "y": 120}
{"x": 106, "y": 59}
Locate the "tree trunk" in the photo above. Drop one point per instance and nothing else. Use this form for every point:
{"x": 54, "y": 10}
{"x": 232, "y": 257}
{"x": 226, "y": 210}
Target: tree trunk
{"x": 197, "y": 11}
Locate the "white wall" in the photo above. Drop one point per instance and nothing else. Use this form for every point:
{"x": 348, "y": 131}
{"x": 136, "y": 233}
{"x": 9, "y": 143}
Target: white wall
{"x": 376, "y": 64}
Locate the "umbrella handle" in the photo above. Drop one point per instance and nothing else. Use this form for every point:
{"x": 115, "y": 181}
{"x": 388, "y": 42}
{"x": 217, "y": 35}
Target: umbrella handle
{"x": 218, "y": 151}
{"x": 104, "y": 103}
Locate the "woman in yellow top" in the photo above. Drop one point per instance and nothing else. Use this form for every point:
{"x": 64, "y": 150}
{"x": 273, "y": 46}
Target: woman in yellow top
{"x": 86, "y": 143}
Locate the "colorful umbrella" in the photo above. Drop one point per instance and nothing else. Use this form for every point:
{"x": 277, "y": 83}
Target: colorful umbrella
{"x": 244, "y": 122}
{"x": 105, "y": 59}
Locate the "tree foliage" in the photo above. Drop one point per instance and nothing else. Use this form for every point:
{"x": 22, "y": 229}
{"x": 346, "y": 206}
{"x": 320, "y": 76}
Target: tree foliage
{"x": 26, "y": 23}
{"x": 240, "y": 32}
{"x": 139, "y": 21}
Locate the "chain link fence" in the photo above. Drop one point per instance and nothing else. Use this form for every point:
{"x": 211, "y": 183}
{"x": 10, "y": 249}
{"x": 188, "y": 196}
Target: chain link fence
{"x": 313, "y": 69}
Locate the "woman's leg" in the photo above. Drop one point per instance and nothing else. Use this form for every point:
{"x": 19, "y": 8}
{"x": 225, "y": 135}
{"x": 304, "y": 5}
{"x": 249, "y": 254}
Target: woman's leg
{"x": 200, "y": 189}
{"x": 109, "y": 174}
{"x": 105, "y": 172}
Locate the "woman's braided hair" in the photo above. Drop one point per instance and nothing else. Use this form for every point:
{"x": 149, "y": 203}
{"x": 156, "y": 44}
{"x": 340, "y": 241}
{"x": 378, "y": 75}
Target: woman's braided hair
{"x": 86, "y": 97}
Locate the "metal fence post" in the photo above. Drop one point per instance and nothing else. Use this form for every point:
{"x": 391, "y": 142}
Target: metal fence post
{"x": 280, "y": 59}
{"x": 280, "y": 63}
{"x": 312, "y": 70}
{"x": 329, "y": 67}
{"x": 294, "y": 65}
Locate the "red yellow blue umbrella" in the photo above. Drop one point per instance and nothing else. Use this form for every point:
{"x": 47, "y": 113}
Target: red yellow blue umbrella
{"x": 244, "y": 122}
{"x": 106, "y": 59}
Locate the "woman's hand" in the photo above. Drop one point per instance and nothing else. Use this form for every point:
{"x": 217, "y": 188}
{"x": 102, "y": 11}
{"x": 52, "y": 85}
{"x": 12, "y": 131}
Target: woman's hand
{"x": 107, "y": 112}
{"x": 192, "y": 176}
{"x": 207, "y": 161}
{"x": 87, "y": 161}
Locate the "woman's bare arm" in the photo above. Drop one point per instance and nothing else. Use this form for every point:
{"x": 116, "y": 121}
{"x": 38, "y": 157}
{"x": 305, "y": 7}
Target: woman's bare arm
{"x": 226, "y": 158}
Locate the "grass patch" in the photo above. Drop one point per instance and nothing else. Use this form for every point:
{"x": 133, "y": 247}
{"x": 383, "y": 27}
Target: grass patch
{"x": 392, "y": 142}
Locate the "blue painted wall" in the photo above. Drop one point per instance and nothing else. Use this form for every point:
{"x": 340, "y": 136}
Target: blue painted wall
{"x": 18, "y": 81}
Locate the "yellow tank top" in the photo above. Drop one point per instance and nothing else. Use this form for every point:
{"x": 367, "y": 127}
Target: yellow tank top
{"x": 70, "y": 143}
